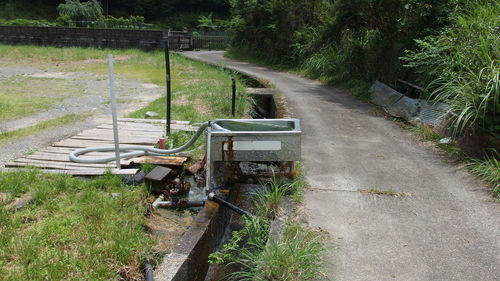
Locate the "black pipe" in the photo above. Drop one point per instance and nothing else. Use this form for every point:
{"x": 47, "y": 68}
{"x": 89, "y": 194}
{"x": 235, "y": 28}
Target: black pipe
{"x": 149, "y": 271}
{"x": 169, "y": 90}
{"x": 233, "y": 104}
{"x": 226, "y": 204}
{"x": 175, "y": 205}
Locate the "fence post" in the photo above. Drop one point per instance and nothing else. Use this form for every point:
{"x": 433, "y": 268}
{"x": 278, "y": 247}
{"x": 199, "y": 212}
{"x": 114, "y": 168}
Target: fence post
{"x": 168, "y": 79}
{"x": 233, "y": 101}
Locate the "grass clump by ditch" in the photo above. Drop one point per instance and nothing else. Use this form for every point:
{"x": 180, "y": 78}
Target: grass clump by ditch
{"x": 52, "y": 123}
{"x": 254, "y": 255}
{"x": 73, "y": 229}
{"x": 488, "y": 170}
{"x": 296, "y": 256}
{"x": 268, "y": 198}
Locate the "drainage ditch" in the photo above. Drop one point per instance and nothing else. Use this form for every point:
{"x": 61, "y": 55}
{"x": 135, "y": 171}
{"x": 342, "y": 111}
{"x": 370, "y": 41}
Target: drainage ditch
{"x": 213, "y": 224}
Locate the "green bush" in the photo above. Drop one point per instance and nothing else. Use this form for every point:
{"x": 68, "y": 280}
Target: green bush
{"x": 26, "y": 22}
{"x": 80, "y": 13}
{"x": 460, "y": 66}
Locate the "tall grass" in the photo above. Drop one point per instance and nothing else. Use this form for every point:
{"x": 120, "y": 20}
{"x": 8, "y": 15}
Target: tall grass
{"x": 297, "y": 256}
{"x": 73, "y": 229}
{"x": 460, "y": 65}
{"x": 488, "y": 170}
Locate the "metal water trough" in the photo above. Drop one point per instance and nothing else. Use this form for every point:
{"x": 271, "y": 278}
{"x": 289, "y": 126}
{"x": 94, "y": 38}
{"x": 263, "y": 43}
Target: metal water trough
{"x": 253, "y": 140}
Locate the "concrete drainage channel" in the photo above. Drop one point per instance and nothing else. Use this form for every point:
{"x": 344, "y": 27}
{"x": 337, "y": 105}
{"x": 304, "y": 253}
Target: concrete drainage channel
{"x": 239, "y": 154}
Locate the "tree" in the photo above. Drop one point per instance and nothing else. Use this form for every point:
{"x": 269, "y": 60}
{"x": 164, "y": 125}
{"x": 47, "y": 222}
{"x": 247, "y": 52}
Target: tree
{"x": 78, "y": 12}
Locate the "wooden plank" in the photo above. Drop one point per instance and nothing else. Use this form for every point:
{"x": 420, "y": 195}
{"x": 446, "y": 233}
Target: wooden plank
{"x": 159, "y": 121}
{"x": 149, "y": 128}
{"x": 109, "y": 132}
{"x": 67, "y": 150}
{"x": 121, "y": 138}
{"x": 161, "y": 160}
{"x": 133, "y": 129}
{"x": 91, "y": 143}
{"x": 137, "y": 126}
{"x": 26, "y": 161}
{"x": 48, "y": 165}
{"x": 83, "y": 172}
{"x": 65, "y": 157}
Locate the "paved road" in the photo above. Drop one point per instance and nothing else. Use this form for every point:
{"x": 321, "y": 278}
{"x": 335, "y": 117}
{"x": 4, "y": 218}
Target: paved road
{"x": 448, "y": 229}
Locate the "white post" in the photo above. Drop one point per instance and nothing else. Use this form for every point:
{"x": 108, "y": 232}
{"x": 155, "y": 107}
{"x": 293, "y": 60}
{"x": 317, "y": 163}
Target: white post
{"x": 113, "y": 110}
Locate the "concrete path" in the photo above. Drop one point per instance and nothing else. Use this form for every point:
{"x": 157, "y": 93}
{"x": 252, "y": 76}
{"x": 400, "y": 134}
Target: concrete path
{"x": 448, "y": 229}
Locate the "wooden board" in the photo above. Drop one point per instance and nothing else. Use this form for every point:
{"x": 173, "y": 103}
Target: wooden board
{"x": 55, "y": 159}
{"x": 154, "y": 121}
{"x": 161, "y": 160}
{"x": 82, "y": 172}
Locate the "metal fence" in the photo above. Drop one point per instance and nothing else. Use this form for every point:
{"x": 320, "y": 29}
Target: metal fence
{"x": 112, "y": 38}
{"x": 210, "y": 40}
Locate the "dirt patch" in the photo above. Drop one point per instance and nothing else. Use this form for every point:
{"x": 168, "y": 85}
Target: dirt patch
{"x": 167, "y": 227}
{"x": 53, "y": 75}
{"x": 87, "y": 61}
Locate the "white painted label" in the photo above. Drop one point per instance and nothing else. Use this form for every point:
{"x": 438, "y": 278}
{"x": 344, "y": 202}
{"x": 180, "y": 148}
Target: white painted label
{"x": 254, "y": 145}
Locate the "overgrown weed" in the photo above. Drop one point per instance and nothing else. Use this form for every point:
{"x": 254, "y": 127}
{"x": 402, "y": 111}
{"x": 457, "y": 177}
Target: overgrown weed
{"x": 73, "y": 229}
{"x": 488, "y": 170}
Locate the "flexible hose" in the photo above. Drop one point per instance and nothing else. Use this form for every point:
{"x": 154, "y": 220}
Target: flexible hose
{"x": 140, "y": 150}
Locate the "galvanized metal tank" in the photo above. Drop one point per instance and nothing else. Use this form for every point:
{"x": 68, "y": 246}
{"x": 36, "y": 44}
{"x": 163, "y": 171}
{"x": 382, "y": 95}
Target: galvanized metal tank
{"x": 253, "y": 140}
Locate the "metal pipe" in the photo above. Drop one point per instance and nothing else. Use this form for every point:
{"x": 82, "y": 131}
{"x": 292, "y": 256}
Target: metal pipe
{"x": 174, "y": 205}
{"x": 148, "y": 268}
{"x": 226, "y": 204}
{"x": 233, "y": 104}
{"x": 208, "y": 172}
{"x": 113, "y": 110}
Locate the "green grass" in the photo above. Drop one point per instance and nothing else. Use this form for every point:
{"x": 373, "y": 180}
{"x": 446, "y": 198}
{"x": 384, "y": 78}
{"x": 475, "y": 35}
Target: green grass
{"x": 357, "y": 87}
{"x": 426, "y": 133}
{"x": 73, "y": 229}
{"x": 297, "y": 255}
{"x": 21, "y": 96}
{"x": 390, "y": 192}
{"x": 488, "y": 170}
{"x": 52, "y": 123}
{"x": 200, "y": 92}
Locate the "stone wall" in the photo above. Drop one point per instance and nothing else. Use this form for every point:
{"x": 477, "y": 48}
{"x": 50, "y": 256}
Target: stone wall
{"x": 94, "y": 37}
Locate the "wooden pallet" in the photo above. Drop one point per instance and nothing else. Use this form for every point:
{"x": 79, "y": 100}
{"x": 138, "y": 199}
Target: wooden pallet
{"x": 55, "y": 159}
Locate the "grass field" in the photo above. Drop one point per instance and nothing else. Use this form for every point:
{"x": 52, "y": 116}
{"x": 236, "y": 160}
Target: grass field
{"x": 56, "y": 122}
{"x": 200, "y": 92}
{"x": 21, "y": 95}
{"x": 74, "y": 229}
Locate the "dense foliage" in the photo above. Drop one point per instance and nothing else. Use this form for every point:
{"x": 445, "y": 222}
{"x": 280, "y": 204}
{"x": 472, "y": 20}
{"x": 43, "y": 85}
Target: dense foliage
{"x": 81, "y": 11}
{"x": 177, "y": 14}
{"x": 461, "y": 66}
{"x": 454, "y": 43}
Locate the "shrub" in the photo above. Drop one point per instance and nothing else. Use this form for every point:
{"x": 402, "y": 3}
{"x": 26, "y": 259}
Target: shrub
{"x": 81, "y": 12}
{"x": 460, "y": 67}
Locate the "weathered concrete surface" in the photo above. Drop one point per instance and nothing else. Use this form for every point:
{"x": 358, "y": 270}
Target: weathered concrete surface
{"x": 447, "y": 230}
{"x": 188, "y": 260}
